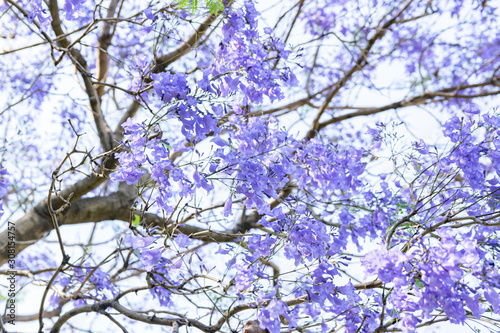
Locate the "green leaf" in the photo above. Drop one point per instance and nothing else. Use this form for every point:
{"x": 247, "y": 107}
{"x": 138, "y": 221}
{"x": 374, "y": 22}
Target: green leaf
{"x": 183, "y": 3}
{"x": 166, "y": 145}
{"x": 191, "y": 4}
{"x": 136, "y": 221}
{"x": 214, "y": 6}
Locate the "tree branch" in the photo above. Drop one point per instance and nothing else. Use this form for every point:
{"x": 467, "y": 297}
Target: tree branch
{"x": 163, "y": 61}
{"x": 103, "y": 130}
{"x": 358, "y": 65}
{"x": 102, "y": 306}
{"x": 113, "y": 303}
{"x": 425, "y": 98}
{"x": 103, "y": 43}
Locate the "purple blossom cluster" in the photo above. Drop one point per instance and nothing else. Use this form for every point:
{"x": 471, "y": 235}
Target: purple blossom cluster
{"x": 327, "y": 296}
{"x": 434, "y": 275}
{"x": 172, "y": 86}
{"x": 269, "y": 316}
{"x": 130, "y": 170}
{"x": 96, "y": 277}
{"x": 152, "y": 154}
{"x": 174, "y": 89}
{"x": 244, "y": 61}
{"x": 255, "y": 155}
{"x": 72, "y": 8}
{"x": 249, "y": 142}
{"x": 330, "y": 167}
{"x": 35, "y": 85}
{"x": 308, "y": 240}
{"x": 320, "y": 19}
{"x": 254, "y": 158}
{"x": 473, "y": 149}
{"x": 39, "y": 13}
{"x": 148, "y": 254}
{"x": 143, "y": 152}
{"x": 455, "y": 272}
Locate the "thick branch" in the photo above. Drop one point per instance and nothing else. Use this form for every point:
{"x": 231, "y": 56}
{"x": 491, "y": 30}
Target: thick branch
{"x": 37, "y": 222}
{"x": 34, "y": 224}
{"x": 425, "y": 98}
{"x": 102, "y": 306}
{"x": 162, "y": 62}
{"x": 249, "y": 221}
{"x": 103, "y": 130}
{"x": 103, "y": 43}
{"x": 46, "y": 314}
{"x": 358, "y": 65}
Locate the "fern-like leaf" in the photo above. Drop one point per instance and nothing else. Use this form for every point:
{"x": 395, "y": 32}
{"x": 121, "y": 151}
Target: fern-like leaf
{"x": 214, "y": 6}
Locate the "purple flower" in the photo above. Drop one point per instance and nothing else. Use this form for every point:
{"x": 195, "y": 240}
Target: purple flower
{"x": 421, "y": 147}
{"x": 387, "y": 264}
{"x": 493, "y": 298}
{"x": 149, "y": 14}
{"x": 170, "y": 86}
{"x": 38, "y": 12}
{"x": 149, "y": 258}
{"x": 228, "y": 207}
{"x": 473, "y": 303}
{"x": 71, "y": 8}
{"x": 163, "y": 295}
{"x": 269, "y": 317}
{"x": 183, "y": 240}
{"x": 300, "y": 208}
{"x": 260, "y": 246}
{"x": 139, "y": 242}
{"x": 64, "y": 281}
{"x": 54, "y": 301}
{"x": 229, "y": 249}
{"x": 201, "y": 181}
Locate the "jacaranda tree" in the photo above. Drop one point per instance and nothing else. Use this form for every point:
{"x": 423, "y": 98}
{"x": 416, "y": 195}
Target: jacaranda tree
{"x": 189, "y": 165}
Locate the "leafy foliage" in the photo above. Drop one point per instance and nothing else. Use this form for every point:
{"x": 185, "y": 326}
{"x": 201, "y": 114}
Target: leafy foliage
{"x": 214, "y": 6}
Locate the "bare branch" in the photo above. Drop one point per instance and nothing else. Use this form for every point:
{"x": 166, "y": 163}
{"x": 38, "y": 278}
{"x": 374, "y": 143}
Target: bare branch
{"x": 425, "y": 98}
{"x": 105, "y": 133}
{"x": 162, "y": 62}
{"x": 358, "y": 65}
{"x": 103, "y": 42}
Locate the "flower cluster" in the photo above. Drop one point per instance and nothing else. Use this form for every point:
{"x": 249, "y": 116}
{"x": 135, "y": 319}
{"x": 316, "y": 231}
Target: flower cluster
{"x": 149, "y": 256}
{"x": 329, "y": 167}
{"x": 244, "y": 62}
{"x": 130, "y": 170}
{"x": 37, "y": 12}
{"x": 72, "y": 8}
{"x": 453, "y": 271}
{"x": 255, "y": 159}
